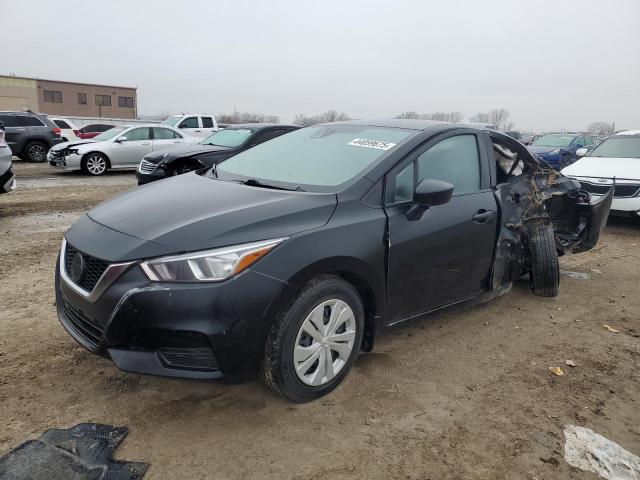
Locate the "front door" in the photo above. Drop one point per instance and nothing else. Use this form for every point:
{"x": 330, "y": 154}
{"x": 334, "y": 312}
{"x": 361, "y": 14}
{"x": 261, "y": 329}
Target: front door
{"x": 129, "y": 152}
{"x": 446, "y": 255}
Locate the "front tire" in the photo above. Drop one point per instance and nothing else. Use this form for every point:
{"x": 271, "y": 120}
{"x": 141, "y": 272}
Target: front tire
{"x": 545, "y": 269}
{"x": 95, "y": 164}
{"x": 35, "y": 151}
{"x": 314, "y": 341}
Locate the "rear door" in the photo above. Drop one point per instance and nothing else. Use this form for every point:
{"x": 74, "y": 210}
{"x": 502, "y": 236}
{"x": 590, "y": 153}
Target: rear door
{"x": 165, "y": 138}
{"x": 445, "y": 256}
{"x": 208, "y": 126}
{"x": 12, "y": 131}
{"x": 129, "y": 152}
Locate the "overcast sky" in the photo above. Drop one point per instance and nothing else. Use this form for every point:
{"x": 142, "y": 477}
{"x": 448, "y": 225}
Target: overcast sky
{"x": 552, "y": 63}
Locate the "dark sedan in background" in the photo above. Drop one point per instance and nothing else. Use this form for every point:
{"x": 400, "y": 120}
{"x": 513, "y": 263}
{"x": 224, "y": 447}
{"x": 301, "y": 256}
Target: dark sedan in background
{"x": 559, "y": 149}
{"x": 211, "y": 151}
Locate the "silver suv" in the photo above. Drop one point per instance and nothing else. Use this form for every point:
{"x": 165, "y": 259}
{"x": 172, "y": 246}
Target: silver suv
{"x": 30, "y": 135}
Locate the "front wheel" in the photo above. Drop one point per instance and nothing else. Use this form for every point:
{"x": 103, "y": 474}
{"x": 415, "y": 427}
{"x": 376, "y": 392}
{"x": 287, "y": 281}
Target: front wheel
{"x": 314, "y": 341}
{"x": 545, "y": 270}
{"x": 94, "y": 164}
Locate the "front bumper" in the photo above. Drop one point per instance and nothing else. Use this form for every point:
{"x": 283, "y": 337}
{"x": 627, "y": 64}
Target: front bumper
{"x": 65, "y": 162}
{"x": 191, "y": 330}
{"x": 151, "y": 175}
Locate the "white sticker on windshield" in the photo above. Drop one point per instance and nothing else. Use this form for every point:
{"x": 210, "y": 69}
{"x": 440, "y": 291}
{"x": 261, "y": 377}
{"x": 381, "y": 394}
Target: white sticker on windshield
{"x": 377, "y": 144}
{"x": 243, "y": 130}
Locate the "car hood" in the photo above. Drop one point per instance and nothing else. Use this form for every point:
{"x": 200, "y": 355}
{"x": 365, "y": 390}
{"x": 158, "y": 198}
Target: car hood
{"x": 75, "y": 143}
{"x": 191, "y": 212}
{"x": 542, "y": 149}
{"x": 183, "y": 151}
{"x": 604, "y": 167}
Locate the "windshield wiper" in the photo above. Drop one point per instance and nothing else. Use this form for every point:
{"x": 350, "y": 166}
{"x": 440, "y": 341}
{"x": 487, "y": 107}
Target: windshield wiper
{"x": 252, "y": 182}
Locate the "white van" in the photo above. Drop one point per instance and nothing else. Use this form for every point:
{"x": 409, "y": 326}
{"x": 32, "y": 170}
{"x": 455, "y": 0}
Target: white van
{"x": 196, "y": 124}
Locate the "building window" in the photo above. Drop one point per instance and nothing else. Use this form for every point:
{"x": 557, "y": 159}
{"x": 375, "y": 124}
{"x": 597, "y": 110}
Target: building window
{"x": 103, "y": 100}
{"x": 52, "y": 96}
{"x": 82, "y": 99}
{"x": 125, "y": 102}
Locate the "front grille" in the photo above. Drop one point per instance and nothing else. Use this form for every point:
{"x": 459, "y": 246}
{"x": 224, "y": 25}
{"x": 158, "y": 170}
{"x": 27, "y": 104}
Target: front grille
{"x": 622, "y": 190}
{"x": 77, "y": 321}
{"x": 94, "y": 268}
{"x": 147, "y": 167}
{"x": 201, "y": 359}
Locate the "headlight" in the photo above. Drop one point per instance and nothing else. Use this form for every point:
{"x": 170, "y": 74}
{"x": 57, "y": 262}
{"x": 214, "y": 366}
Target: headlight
{"x": 209, "y": 265}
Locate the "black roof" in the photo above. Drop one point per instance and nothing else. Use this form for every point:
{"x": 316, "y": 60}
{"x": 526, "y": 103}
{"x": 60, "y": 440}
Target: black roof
{"x": 258, "y": 126}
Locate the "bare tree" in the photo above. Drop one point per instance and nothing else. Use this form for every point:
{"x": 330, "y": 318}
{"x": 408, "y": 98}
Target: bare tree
{"x": 409, "y": 115}
{"x": 453, "y": 117}
{"x": 246, "y": 117}
{"x": 601, "y": 128}
{"x": 480, "y": 118}
{"x": 328, "y": 116}
{"x": 498, "y": 117}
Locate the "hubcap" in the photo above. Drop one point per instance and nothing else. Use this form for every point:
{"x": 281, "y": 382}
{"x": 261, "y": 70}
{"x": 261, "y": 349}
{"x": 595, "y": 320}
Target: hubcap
{"x": 96, "y": 164}
{"x": 324, "y": 342}
{"x": 37, "y": 152}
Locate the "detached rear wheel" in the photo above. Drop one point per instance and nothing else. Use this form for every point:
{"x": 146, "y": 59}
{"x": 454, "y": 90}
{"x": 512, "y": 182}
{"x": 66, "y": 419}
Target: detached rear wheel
{"x": 314, "y": 341}
{"x": 94, "y": 164}
{"x": 545, "y": 270}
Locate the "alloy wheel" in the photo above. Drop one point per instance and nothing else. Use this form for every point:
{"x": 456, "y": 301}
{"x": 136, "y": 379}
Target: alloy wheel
{"x": 324, "y": 342}
{"x": 37, "y": 152}
{"x": 96, "y": 165}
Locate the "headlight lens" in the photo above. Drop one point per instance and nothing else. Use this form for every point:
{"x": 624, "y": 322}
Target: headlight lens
{"x": 209, "y": 265}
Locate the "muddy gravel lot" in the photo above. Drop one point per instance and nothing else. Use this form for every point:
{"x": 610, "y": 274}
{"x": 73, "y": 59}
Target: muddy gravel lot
{"x": 463, "y": 395}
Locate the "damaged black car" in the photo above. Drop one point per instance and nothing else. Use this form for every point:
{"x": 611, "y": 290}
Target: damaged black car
{"x": 290, "y": 258}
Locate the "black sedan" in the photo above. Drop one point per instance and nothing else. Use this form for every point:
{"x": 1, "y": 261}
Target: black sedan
{"x": 211, "y": 151}
{"x": 291, "y": 257}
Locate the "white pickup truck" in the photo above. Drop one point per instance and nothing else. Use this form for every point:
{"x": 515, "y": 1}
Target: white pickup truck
{"x": 196, "y": 124}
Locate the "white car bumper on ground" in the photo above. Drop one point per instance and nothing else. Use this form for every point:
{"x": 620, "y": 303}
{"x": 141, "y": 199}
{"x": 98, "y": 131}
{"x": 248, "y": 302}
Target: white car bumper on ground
{"x": 65, "y": 162}
{"x": 626, "y": 199}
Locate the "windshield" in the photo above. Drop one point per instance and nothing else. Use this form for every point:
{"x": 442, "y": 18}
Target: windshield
{"x": 109, "y": 134}
{"x": 618, "y": 147}
{"x": 553, "y": 140}
{"x": 229, "y": 137}
{"x": 324, "y": 155}
{"x": 172, "y": 121}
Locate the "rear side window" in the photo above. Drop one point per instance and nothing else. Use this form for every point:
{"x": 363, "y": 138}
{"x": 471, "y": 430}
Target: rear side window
{"x": 9, "y": 120}
{"x": 189, "y": 122}
{"x": 164, "y": 134}
{"x": 454, "y": 160}
{"x": 138, "y": 134}
{"x": 26, "y": 121}
{"x": 102, "y": 128}
{"x": 207, "y": 122}
{"x": 62, "y": 124}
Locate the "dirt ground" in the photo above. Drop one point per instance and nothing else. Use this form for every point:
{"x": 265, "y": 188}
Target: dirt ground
{"x": 463, "y": 395}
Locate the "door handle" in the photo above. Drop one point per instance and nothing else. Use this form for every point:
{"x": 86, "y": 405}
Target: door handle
{"x": 145, "y": 143}
{"x": 198, "y": 131}
{"x": 483, "y": 215}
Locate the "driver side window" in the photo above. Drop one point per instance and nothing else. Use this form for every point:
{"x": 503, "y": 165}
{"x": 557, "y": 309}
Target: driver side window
{"x": 137, "y": 134}
{"x": 189, "y": 122}
{"x": 454, "y": 160}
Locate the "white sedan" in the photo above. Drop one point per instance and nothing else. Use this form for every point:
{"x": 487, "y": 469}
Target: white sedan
{"x": 118, "y": 148}
{"x": 617, "y": 157}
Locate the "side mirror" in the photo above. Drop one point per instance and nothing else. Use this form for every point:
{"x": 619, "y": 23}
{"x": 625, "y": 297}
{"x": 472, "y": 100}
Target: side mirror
{"x": 433, "y": 192}
{"x": 121, "y": 139}
{"x": 429, "y": 193}
{"x": 581, "y": 152}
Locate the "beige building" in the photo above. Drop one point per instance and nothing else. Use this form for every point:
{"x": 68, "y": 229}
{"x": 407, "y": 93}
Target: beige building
{"x": 67, "y": 98}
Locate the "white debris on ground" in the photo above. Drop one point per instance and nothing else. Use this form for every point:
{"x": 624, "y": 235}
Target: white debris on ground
{"x": 591, "y": 452}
